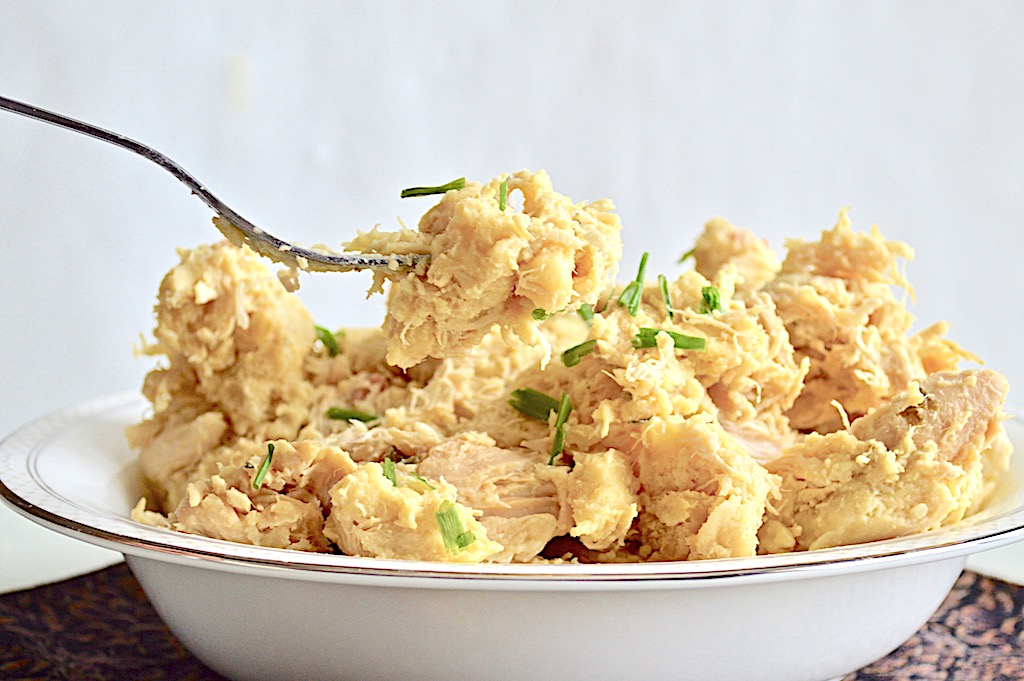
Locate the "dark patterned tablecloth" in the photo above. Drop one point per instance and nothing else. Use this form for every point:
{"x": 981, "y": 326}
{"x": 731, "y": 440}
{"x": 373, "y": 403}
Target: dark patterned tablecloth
{"x": 101, "y": 626}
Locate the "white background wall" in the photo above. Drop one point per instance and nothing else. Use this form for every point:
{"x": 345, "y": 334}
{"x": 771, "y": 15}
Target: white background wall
{"x": 309, "y": 117}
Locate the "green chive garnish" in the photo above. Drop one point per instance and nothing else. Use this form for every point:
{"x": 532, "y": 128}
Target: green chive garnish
{"x": 557, "y": 445}
{"x": 576, "y": 353}
{"x": 459, "y": 183}
{"x": 342, "y": 414}
{"x": 533, "y": 403}
{"x": 453, "y": 534}
{"x": 647, "y": 338}
{"x": 328, "y": 339}
{"x": 503, "y": 195}
{"x": 540, "y": 314}
{"x": 710, "y": 299}
{"x": 634, "y": 291}
{"x": 423, "y": 480}
{"x": 389, "y": 471}
{"x": 558, "y": 442}
{"x": 605, "y": 297}
{"x": 663, "y": 285}
{"x": 586, "y": 313}
{"x": 564, "y": 409}
{"x": 686, "y": 256}
{"x": 261, "y": 474}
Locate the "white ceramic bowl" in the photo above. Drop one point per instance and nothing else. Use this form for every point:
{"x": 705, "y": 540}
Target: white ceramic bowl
{"x": 255, "y": 613}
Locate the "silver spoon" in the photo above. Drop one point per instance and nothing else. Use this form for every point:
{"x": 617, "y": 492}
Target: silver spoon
{"x": 236, "y": 228}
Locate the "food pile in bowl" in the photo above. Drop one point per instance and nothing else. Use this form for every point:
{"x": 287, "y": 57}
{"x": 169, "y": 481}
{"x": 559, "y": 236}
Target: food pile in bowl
{"x": 518, "y": 406}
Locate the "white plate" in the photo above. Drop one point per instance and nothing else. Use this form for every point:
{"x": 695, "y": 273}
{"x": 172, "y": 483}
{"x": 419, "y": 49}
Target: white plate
{"x": 253, "y": 613}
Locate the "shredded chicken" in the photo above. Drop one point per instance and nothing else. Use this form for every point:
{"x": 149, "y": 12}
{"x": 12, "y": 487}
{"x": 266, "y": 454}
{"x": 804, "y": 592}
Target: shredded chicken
{"x": 519, "y": 496}
{"x": 836, "y": 299}
{"x": 492, "y": 266}
{"x": 722, "y": 245}
{"x": 372, "y": 515}
{"x": 703, "y": 494}
{"x": 912, "y": 464}
{"x": 743, "y": 406}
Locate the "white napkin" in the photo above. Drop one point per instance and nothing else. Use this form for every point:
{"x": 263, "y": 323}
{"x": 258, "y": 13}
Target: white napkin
{"x": 1005, "y": 563}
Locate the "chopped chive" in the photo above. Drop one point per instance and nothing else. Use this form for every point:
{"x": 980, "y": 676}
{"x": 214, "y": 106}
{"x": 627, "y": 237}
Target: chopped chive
{"x": 503, "y": 195}
{"x": 459, "y": 183}
{"x": 540, "y": 314}
{"x": 647, "y": 338}
{"x": 423, "y": 480}
{"x": 342, "y": 414}
{"x": 264, "y": 468}
{"x": 686, "y": 256}
{"x": 564, "y": 409}
{"x": 606, "y": 297}
{"x": 576, "y": 353}
{"x": 630, "y": 297}
{"x": 586, "y": 313}
{"x": 558, "y": 441}
{"x": 389, "y": 471}
{"x": 557, "y": 445}
{"x": 710, "y": 299}
{"x": 663, "y": 285}
{"x": 453, "y": 534}
{"x": 634, "y": 291}
{"x": 328, "y": 339}
{"x": 533, "y": 403}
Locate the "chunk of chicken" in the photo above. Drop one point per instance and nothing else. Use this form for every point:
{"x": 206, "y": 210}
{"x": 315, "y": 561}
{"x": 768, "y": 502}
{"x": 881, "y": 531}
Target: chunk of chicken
{"x": 286, "y": 511}
{"x": 491, "y": 266}
{"x": 242, "y": 333}
{"x": 836, "y": 298}
{"x": 521, "y": 499}
{"x": 723, "y": 244}
{"x": 236, "y": 341}
{"x": 913, "y": 464}
{"x": 603, "y": 495}
{"x": 702, "y": 495}
{"x": 170, "y": 458}
{"x": 373, "y": 516}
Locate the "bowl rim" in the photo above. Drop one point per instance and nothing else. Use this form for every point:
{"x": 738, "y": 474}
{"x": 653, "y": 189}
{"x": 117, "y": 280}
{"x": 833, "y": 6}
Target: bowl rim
{"x": 23, "y": 488}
